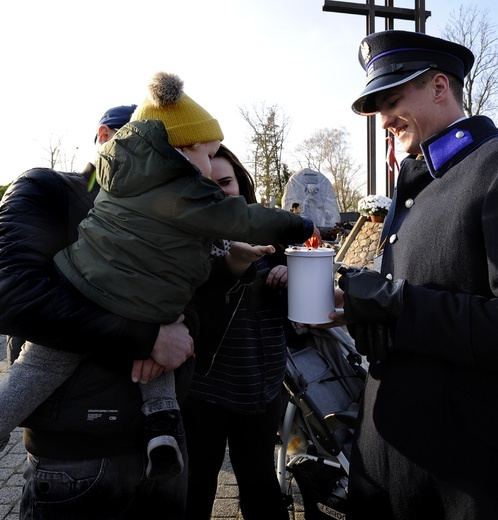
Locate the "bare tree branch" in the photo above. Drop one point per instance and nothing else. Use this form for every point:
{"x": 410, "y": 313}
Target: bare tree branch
{"x": 327, "y": 151}
{"x": 472, "y": 27}
{"x": 269, "y": 126}
{"x": 58, "y": 156}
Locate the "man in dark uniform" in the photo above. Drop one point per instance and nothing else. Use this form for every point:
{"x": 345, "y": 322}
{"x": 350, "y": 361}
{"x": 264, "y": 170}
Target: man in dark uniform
{"x": 426, "y": 444}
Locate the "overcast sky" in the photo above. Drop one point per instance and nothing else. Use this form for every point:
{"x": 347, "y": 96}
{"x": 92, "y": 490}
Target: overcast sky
{"x": 65, "y": 63}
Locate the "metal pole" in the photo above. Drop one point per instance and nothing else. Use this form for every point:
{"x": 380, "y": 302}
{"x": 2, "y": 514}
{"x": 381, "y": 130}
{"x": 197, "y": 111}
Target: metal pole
{"x": 370, "y": 10}
{"x": 390, "y": 165}
{"x": 420, "y": 16}
{"x": 371, "y": 131}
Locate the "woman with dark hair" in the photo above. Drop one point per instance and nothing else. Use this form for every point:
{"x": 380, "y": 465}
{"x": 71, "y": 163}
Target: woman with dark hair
{"x": 244, "y": 184}
{"x": 235, "y": 395}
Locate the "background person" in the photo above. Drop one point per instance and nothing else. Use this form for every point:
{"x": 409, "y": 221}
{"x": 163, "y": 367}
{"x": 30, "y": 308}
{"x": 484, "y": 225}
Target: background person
{"x": 235, "y": 395}
{"x": 109, "y": 124}
{"x": 296, "y": 208}
{"x": 70, "y": 437}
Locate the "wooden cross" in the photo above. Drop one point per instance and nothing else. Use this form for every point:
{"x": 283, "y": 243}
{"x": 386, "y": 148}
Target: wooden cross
{"x": 390, "y": 13}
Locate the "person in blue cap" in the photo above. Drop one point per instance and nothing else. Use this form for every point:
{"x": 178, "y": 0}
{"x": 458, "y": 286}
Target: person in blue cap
{"x": 113, "y": 119}
{"x": 84, "y": 442}
{"x": 426, "y": 442}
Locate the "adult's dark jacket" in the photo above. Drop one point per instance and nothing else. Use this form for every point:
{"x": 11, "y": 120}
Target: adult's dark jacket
{"x": 429, "y": 429}
{"x": 39, "y": 216}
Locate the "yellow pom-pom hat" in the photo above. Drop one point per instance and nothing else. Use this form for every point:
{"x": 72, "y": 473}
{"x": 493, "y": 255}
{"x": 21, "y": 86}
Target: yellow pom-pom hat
{"x": 186, "y": 122}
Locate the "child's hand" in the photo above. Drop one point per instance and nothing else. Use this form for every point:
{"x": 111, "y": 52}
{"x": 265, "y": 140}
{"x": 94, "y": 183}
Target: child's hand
{"x": 145, "y": 369}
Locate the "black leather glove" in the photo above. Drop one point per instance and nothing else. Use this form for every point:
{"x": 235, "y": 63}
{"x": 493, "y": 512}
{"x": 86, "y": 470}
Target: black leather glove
{"x": 373, "y": 341}
{"x": 369, "y": 297}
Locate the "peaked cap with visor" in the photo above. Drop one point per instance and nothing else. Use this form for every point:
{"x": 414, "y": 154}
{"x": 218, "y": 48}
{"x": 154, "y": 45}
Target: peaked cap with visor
{"x": 391, "y": 58}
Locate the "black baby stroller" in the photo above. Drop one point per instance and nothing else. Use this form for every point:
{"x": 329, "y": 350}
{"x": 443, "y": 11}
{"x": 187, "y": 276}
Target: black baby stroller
{"x": 324, "y": 381}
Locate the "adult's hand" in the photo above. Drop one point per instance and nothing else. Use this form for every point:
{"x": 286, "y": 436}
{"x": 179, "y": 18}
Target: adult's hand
{"x": 173, "y": 345}
{"x": 249, "y": 253}
{"x": 337, "y": 318}
{"x": 370, "y": 297}
{"x": 277, "y": 277}
{"x": 242, "y": 255}
{"x": 145, "y": 369}
{"x": 373, "y": 341}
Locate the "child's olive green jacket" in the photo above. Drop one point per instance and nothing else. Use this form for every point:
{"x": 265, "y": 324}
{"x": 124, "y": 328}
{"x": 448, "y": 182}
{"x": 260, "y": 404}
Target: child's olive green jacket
{"x": 144, "y": 248}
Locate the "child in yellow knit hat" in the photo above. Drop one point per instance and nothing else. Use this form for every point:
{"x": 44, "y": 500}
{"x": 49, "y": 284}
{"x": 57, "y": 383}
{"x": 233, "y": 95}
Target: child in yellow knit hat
{"x": 145, "y": 246}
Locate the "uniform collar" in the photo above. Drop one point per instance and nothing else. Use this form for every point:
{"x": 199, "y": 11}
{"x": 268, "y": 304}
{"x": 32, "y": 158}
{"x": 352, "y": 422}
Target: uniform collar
{"x": 447, "y": 148}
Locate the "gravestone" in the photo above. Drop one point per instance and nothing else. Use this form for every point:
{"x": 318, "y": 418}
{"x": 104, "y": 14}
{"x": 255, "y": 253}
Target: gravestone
{"x": 315, "y": 194}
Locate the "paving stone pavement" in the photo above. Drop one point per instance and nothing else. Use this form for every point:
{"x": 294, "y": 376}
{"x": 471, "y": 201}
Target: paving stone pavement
{"x": 13, "y": 463}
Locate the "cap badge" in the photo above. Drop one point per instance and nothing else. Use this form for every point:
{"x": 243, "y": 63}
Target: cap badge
{"x": 365, "y": 52}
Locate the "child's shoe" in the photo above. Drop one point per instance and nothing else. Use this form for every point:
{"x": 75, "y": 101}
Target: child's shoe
{"x": 163, "y": 452}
